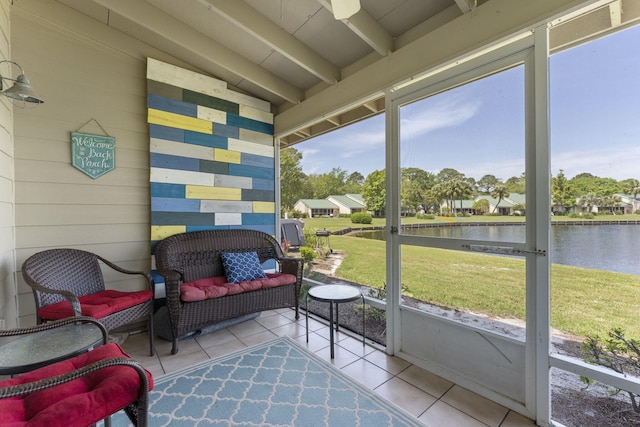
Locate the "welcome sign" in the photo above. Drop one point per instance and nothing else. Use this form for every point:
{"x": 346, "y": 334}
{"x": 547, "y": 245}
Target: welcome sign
{"x": 94, "y": 155}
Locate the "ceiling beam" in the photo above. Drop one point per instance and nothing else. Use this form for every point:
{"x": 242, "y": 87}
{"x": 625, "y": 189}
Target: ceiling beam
{"x": 615, "y": 12}
{"x": 466, "y": 5}
{"x": 368, "y": 29}
{"x": 253, "y": 22}
{"x": 196, "y": 43}
{"x": 423, "y": 54}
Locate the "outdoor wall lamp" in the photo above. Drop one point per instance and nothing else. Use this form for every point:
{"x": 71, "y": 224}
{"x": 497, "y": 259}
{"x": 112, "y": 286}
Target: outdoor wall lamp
{"x": 21, "y": 89}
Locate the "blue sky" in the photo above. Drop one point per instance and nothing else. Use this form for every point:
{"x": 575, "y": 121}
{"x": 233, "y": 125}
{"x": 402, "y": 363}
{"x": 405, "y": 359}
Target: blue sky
{"x": 478, "y": 128}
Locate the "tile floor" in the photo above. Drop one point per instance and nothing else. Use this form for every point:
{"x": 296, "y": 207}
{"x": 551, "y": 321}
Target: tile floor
{"x": 433, "y": 400}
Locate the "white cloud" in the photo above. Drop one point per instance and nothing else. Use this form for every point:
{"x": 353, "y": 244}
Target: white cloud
{"x": 446, "y": 112}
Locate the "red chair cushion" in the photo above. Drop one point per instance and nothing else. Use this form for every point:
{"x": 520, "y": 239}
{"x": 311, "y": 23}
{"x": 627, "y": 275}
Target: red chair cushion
{"x": 215, "y": 287}
{"x": 80, "y": 402}
{"x": 96, "y": 305}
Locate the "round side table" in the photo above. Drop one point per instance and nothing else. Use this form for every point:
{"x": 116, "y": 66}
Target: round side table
{"x": 334, "y": 294}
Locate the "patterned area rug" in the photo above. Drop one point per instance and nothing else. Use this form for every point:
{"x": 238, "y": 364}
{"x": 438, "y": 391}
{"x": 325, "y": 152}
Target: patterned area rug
{"x": 278, "y": 383}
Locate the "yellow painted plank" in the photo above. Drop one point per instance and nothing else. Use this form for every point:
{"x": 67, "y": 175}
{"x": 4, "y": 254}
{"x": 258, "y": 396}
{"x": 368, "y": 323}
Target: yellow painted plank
{"x": 264, "y": 207}
{"x": 226, "y": 156}
{"x": 179, "y": 121}
{"x": 159, "y": 232}
{"x": 213, "y": 193}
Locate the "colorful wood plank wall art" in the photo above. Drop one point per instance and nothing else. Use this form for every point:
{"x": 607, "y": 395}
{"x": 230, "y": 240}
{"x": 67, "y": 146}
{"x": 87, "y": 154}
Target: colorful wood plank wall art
{"x": 212, "y": 155}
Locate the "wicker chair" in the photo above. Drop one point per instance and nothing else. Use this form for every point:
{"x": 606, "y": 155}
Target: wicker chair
{"x": 58, "y": 276}
{"x": 195, "y": 255}
{"x": 79, "y": 391}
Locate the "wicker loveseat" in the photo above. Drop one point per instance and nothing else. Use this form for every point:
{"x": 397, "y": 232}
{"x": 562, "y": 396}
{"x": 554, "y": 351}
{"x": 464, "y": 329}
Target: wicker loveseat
{"x": 194, "y": 257}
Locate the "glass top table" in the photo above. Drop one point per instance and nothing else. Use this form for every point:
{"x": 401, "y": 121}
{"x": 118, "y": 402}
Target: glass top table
{"x": 23, "y": 353}
{"x": 334, "y": 294}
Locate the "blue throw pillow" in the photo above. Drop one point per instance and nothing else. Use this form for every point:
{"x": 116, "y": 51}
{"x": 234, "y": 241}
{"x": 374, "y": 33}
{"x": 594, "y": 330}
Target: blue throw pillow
{"x": 242, "y": 266}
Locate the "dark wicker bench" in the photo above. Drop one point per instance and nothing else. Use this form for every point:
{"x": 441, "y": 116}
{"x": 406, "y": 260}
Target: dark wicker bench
{"x": 195, "y": 255}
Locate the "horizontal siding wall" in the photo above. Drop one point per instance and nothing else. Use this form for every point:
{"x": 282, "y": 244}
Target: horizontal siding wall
{"x": 8, "y": 290}
{"x": 83, "y": 70}
{"x": 211, "y": 155}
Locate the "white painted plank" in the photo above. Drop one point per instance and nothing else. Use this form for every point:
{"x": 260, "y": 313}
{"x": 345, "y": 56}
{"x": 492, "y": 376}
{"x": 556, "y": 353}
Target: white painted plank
{"x": 213, "y": 115}
{"x": 225, "y": 206}
{"x": 257, "y": 137}
{"x": 170, "y": 74}
{"x": 228, "y": 219}
{"x": 251, "y": 147}
{"x": 172, "y": 176}
{"x": 230, "y": 181}
{"x": 174, "y": 148}
{"x": 256, "y": 114}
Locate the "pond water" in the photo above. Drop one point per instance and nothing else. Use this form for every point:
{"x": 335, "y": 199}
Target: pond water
{"x": 613, "y": 247}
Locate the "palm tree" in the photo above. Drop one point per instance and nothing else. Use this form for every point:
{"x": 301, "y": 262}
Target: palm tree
{"x": 632, "y": 186}
{"x": 589, "y": 200}
{"x": 611, "y": 202}
{"x": 499, "y": 192}
{"x": 460, "y": 189}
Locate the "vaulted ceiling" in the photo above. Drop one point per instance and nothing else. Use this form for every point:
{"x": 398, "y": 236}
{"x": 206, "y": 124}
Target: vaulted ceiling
{"x": 286, "y": 51}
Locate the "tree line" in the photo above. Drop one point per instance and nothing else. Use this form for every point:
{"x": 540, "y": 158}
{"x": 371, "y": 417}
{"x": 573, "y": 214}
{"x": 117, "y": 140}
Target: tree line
{"x": 423, "y": 190}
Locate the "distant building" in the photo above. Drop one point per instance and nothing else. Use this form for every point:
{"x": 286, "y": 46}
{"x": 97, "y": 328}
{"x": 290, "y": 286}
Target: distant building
{"x": 506, "y": 206}
{"x": 349, "y": 203}
{"x": 332, "y": 206}
{"x": 629, "y": 202}
{"x": 317, "y": 207}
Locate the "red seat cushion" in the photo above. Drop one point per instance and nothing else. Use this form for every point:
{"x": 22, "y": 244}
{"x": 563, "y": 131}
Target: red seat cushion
{"x": 201, "y": 289}
{"x": 80, "y": 402}
{"x": 96, "y": 305}
{"x": 215, "y": 287}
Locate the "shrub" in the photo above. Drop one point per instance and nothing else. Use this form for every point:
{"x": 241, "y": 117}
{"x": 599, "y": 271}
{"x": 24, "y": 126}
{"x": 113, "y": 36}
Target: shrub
{"x": 587, "y": 215}
{"x": 307, "y": 254}
{"x": 361, "y": 218}
{"x": 618, "y": 353}
{"x": 425, "y": 216}
{"x": 310, "y": 237}
{"x": 574, "y": 215}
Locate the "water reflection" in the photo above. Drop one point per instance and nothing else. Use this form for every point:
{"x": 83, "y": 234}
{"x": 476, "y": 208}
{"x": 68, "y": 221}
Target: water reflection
{"x": 602, "y": 247}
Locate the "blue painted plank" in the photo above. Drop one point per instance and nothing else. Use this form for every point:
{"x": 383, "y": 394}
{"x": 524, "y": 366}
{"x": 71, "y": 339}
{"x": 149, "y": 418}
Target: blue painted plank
{"x": 226, "y": 131}
{"x": 258, "y": 195}
{"x": 169, "y": 204}
{"x": 171, "y": 105}
{"x": 182, "y": 218}
{"x": 159, "y": 189}
{"x": 256, "y": 160}
{"x": 206, "y": 227}
{"x": 266, "y": 228}
{"x": 264, "y": 184}
{"x": 166, "y": 132}
{"x": 251, "y": 171}
{"x": 197, "y": 138}
{"x": 251, "y": 124}
{"x": 258, "y": 219}
{"x": 168, "y": 161}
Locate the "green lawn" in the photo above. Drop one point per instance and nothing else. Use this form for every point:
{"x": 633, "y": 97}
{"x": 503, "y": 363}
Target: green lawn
{"x": 584, "y": 301}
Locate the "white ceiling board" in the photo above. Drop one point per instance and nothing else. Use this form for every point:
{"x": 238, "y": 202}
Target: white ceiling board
{"x": 287, "y": 14}
{"x": 280, "y": 50}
